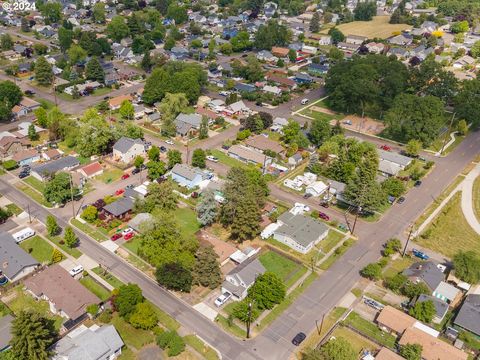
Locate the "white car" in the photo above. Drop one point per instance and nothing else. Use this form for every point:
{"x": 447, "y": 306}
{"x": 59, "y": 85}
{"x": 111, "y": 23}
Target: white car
{"x": 222, "y": 299}
{"x": 212, "y": 158}
{"x": 126, "y": 231}
{"x": 305, "y": 101}
{"x": 169, "y": 142}
{"x": 76, "y": 270}
{"x": 224, "y": 93}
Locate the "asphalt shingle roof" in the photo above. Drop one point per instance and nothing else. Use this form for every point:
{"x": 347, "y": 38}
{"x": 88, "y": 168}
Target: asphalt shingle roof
{"x": 300, "y": 228}
{"x": 124, "y": 144}
{"x": 12, "y": 257}
{"x": 469, "y": 315}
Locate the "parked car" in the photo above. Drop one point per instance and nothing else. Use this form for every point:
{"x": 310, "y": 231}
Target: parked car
{"x": 23, "y": 174}
{"x": 298, "y": 339}
{"x": 129, "y": 236}
{"x": 386, "y": 147}
{"x": 324, "y": 204}
{"x": 125, "y": 176}
{"x": 100, "y": 203}
{"x": 135, "y": 171}
{"x": 116, "y": 236}
{"x": 163, "y": 149}
{"x": 224, "y": 93}
{"x": 212, "y": 158}
{"x": 374, "y": 304}
{"x": 307, "y": 195}
{"x": 401, "y": 200}
{"x": 170, "y": 142}
{"x": 323, "y": 216}
{"x": 119, "y": 192}
{"x": 305, "y": 101}
{"x": 222, "y": 299}
{"x": 76, "y": 270}
{"x": 420, "y": 254}
{"x": 417, "y": 183}
{"x": 127, "y": 230}
{"x": 129, "y": 186}
{"x": 29, "y": 92}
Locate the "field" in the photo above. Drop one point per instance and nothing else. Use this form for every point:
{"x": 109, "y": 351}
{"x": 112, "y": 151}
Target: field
{"x": 286, "y": 269}
{"x": 89, "y": 230}
{"x": 227, "y": 160}
{"x": 476, "y": 197}
{"x": 370, "y": 329}
{"x": 71, "y": 251}
{"x": 92, "y": 285}
{"x": 41, "y": 249}
{"x": 377, "y": 28}
{"x": 357, "y": 341}
{"x": 449, "y": 232}
{"x": 187, "y": 221}
{"x": 136, "y": 338}
{"x": 110, "y": 175}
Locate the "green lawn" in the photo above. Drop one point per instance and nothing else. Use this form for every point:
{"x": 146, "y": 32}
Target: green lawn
{"x": 136, "y": 338}
{"x": 337, "y": 253}
{"x": 33, "y": 194}
{"x": 35, "y": 183}
{"x": 110, "y": 175}
{"x": 397, "y": 266}
{"x": 71, "y": 251}
{"x": 320, "y": 115}
{"x": 14, "y": 209}
{"x": 95, "y": 287}
{"x": 232, "y": 328}
{"x": 89, "y": 230}
{"x": 370, "y": 329}
{"x": 187, "y": 221}
{"x": 133, "y": 244}
{"x": 331, "y": 241}
{"x": 449, "y": 232}
{"x": 476, "y": 197}
{"x": 286, "y": 269}
{"x": 207, "y": 352}
{"x": 41, "y": 249}
{"x": 165, "y": 319}
{"x": 357, "y": 341}
{"x": 112, "y": 280}
{"x": 227, "y": 160}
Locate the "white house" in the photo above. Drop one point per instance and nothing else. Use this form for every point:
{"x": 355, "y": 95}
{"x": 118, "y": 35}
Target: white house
{"x": 325, "y": 40}
{"x": 240, "y": 279}
{"x": 316, "y": 189}
{"x": 127, "y": 149}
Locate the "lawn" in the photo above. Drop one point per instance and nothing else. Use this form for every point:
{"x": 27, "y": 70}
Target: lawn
{"x": 476, "y": 197}
{"x": 35, "y": 183}
{"x": 165, "y": 319}
{"x": 89, "y": 230}
{"x": 207, "y": 352}
{"x": 449, "y": 232}
{"x": 357, "y": 341}
{"x": 187, "y": 221}
{"x": 132, "y": 244}
{"x": 41, "y": 249}
{"x": 370, "y": 329}
{"x": 136, "y": 338}
{"x": 110, "y": 175}
{"x": 95, "y": 287}
{"x": 228, "y": 160}
{"x": 377, "y": 28}
{"x": 14, "y": 209}
{"x": 232, "y": 328}
{"x": 397, "y": 266}
{"x": 71, "y": 251}
{"x": 321, "y": 115}
{"x": 33, "y": 194}
{"x": 286, "y": 269}
{"x": 336, "y": 254}
{"x": 112, "y": 280}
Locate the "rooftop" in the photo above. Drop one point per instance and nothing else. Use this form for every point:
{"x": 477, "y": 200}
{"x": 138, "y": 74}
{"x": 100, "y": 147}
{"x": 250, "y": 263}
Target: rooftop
{"x": 302, "y": 229}
{"x": 395, "y": 320}
{"x": 469, "y": 315}
{"x": 124, "y": 144}
{"x": 12, "y": 257}
{"x": 52, "y": 167}
{"x": 426, "y": 271}
{"x": 119, "y": 207}
{"x": 263, "y": 143}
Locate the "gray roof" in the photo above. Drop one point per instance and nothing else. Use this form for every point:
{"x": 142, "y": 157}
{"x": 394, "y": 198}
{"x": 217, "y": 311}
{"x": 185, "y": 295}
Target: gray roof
{"x": 186, "y": 171}
{"x": 53, "y": 167}
{"x": 97, "y": 344}
{"x": 394, "y": 157}
{"x": 300, "y": 228}
{"x": 192, "y": 119}
{"x": 469, "y": 315}
{"x": 124, "y": 144}
{"x": 5, "y": 334}
{"x": 119, "y": 207}
{"x": 248, "y": 271}
{"x": 427, "y": 271}
{"x": 138, "y": 220}
{"x": 441, "y": 307}
{"x": 12, "y": 257}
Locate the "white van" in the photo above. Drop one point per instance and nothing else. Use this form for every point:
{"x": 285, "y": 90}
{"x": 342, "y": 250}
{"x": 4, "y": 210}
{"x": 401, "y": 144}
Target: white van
{"x": 23, "y": 234}
{"x": 305, "y": 101}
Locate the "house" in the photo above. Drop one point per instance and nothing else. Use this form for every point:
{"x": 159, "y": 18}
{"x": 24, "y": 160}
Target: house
{"x": 66, "y": 296}
{"x": 432, "y": 348}
{"x": 10, "y": 145}
{"x": 309, "y": 50}
{"x": 186, "y": 175}
{"x": 400, "y": 53}
{"x": 265, "y": 55}
{"x": 348, "y": 47}
{"x": 295, "y": 159}
{"x": 280, "y": 52}
{"x": 137, "y": 222}
{"x": 187, "y": 124}
{"x": 325, "y": 40}
{"x": 318, "y": 69}
{"x": 391, "y": 163}
{"x": 465, "y": 60}
{"x": 248, "y": 155}
{"x": 26, "y": 157}
{"x": 447, "y": 292}
{"x": 426, "y": 272}
{"x": 282, "y": 81}
{"x": 241, "y": 278}
{"x": 316, "y": 189}
{"x": 299, "y": 232}
{"x": 119, "y": 209}
{"x": 241, "y": 87}
{"x": 468, "y": 316}
{"x": 5, "y": 332}
{"x": 375, "y": 48}
{"x": 25, "y": 106}
{"x": 387, "y": 354}
{"x": 237, "y": 108}
{"x": 274, "y": 90}
{"x": 394, "y": 321}
{"x": 93, "y": 343}
{"x": 401, "y": 40}
{"x": 16, "y": 263}
{"x": 263, "y": 143}
{"x": 22, "y": 130}
{"x": 441, "y": 307}
{"x": 303, "y": 78}
{"x": 116, "y": 102}
{"x": 178, "y": 53}
{"x": 49, "y": 169}
{"x": 91, "y": 170}
{"x": 127, "y": 149}
{"x": 355, "y": 39}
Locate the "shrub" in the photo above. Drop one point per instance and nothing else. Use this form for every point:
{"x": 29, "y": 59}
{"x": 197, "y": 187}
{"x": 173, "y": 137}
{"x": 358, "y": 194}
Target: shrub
{"x": 92, "y": 309}
{"x": 372, "y": 271}
{"x": 428, "y": 164}
{"x": 106, "y": 316}
{"x": 395, "y": 283}
{"x": 10, "y": 165}
{"x": 172, "y": 341}
{"x": 383, "y": 262}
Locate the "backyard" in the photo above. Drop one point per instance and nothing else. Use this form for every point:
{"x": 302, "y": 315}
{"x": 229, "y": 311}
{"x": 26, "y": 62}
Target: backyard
{"x": 370, "y": 329}
{"x": 39, "y": 248}
{"x": 449, "y": 232}
{"x": 357, "y": 341}
{"x": 110, "y": 175}
{"x": 379, "y": 27}
{"x": 286, "y": 269}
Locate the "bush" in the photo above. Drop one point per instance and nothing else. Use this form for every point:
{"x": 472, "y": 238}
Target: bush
{"x": 172, "y": 341}
{"x": 428, "y": 164}
{"x": 10, "y": 165}
{"x": 106, "y": 316}
{"x": 395, "y": 283}
{"x": 372, "y": 271}
{"x": 242, "y": 135}
{"x": 383, "y": 262}
{"x": 92, "y": 309}
{"x": 392, "y": 246}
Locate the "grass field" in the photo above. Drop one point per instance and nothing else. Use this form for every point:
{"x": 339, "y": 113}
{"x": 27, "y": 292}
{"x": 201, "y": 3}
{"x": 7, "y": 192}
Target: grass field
{"x": 112, "y": 280}
{"x": 370, "y": 329}
{"x": 110, "y": 175}
{"x": 377, "y": 28}
{"x": 476, "y": 197}
{"x": 449, "y": 232}
{"x": 357, "y": 341}
{"x": 41, "y": 249}
{"x": 187, "y": 221}
{"x": 89, "y": 230}
{"x": 96, "y": 288}
{"x": 71, "y": 251}
{"x": 136, "y": 338}
{"x": 286, "y": 269}
{"x": 336, "y": 254}
{"x": 397, "y": 266}
{"x": 201, "y": 347}
{"x": 232, "y": 328}
{"x": 35, "y": 183}
{"x": 33, "y": 194}
{"x": 14, "y": 209}
{"x": 227, "y": 160}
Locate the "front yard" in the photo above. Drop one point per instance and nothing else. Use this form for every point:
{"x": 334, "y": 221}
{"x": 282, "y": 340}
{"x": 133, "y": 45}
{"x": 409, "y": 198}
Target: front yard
{"x": 286, "y": 269}
{"x": 95, "y": 287}
{"x": 35, "y": 183}
{"x": 33, "y": 194}
{"x": 228, "y": 160}
{"x": 110, "y": 175}
{"x": 39, "y": 248}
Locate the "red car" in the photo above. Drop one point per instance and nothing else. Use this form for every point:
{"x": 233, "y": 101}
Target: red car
{"x": 125, "y": 176}
{"x": 119, "y": 192}
{"x": 116, "y": 236}
{"x": 386, "y": 148}
{"x": 129, "y": 236}
{"x": 323, "y": 216}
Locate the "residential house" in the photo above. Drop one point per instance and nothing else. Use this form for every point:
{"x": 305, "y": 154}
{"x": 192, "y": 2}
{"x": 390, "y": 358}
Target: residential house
{"x": 263, "y": 143}
{"x": 22, "y": 130}
{"x": 303, "y": 78}
{"x": 139, "y": 221}
{"x": 241, "y": 87}
{"x": 387, "y": 354}
{"x": 309, "y": 50}
{"x": 325, "y": 40}
{"x": 468, "y": 316}
{"x": 119, "y": 209}
{"x": 187, "y": 124}
{"x": 432, "y": 348}
{"x": 281, "y": 81}
{"x": 179, "y": 53}
{"x": 265, "y": 55}
{"x": 426, "y": 272}
{"x": 375, "y": 48}
{"x": 355, "y": 39}
{"x": 280, "y": 52}
{"x": 10, "y": 145}
{"x": 464, "y": 61}
{"x": 249, "y": 156}
{"x": 429, "y": 26}
{"x": 217, "y": 187}
{"x": 318, "y": 69}
{"x": 394, "y": 321}
{"x": 138, "y": 111}
{"x": 316, "y": 189}
{"x": 392, "y": 163}
{"x": 187, "y": 176}
{"x": 299, "y": 232}
{"x": 348, "y": 47}
{"x": 421, "y": 52}
{"x": 278, "y": 124}
{"x": 91, "y": 170}
{"x": 116, "y": 102}
{"x": 400, "y": 53}
{"x": 49, "y": 169}
{"x": 93, "y": 343}
{"x": 237, "y": 108}
{"x": 25, "y": 106}
{"x": 66, "y": 296}
{"x": 16, "y": 263}
{"x": 5, "y": 332}
{"x": 401, "y": 40}
{"x": 448, "y": 293}
{"x": 127, "y": 149}
{"x": 295, "y": 159}
{"x": 242, "y": 277}
{"x": 26, "y": 157}
{"x": 441, "y": 307}
{"x": 274, "y": 90}
{"x": 52, "y": 154}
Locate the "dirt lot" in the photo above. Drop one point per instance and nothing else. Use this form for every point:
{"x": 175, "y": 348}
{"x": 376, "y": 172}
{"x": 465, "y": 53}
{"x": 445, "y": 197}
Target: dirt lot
{"x": 377, "y": 28}
{"x": 364, "y": 125}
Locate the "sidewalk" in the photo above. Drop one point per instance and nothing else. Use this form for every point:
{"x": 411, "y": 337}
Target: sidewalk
{"x": 467, "y": 198}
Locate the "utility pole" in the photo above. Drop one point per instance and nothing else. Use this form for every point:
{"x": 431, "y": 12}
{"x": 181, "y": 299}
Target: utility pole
{"x": 408, "y": 241}
{"x": 54, "y": 92}
{"x": 249, "y": 320}
{"x": 359, "y": 209}
{"x": 71, "y": 195}
{"x": 29, "y": 214}
{"x": 447, "y": 135}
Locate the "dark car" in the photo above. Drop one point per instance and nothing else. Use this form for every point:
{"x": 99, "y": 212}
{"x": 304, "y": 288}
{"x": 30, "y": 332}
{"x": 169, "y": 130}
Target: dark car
{"x": 307, "y": 195}
{"x": 417, "y": 183}
{"x": 298, "y": 339}
{"x": 401, "y": 200}
{"x": 163, "y": 149}
{"x": 100, "y": 203}
{"x": 23, "y": 174}
{"x": 29, "y": 92}
{"x": 135, "y": 171}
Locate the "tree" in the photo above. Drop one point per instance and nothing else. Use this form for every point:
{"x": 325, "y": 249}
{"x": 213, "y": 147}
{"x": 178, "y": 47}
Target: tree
{"x": 467, "y": 266}
{"x": 177, "y": 13}
{"x": 207, "y": 210}
{"x": 271, "y": 34}
{"x": 246, "y": 225}
{"x": 336, "y": 35}
{"x": 206, "y": 271}
{"x": 94, "y": 71}
{"x": 172, "y": 341}
{"x": 10, "y": 94}
{"x": 144, "y": 316}
{"x": 315, "y": 22}
{"x": 32, "y": 133}
{"x": 76, "y": 54}
{"x": 203, "y": 130}
{"x": 127, "y": 110}
{"x": 25, "y": 25}
{"x": 396, "y": 282}
{"x": 138, "y": 162}
{"x": 466, "y": 104}
{"x": 174, "y": 157}
{"x": 40, "y": 49}
{"x": 170, "y": 106}
{"x": 411, "y": 351}
{"x": 198, "y": 158}
{"x": 413, "y": 147}
{"x": 392, "y": 246}
{"x": 413, "y": 290}
{"x": 320, "y": 131}
{"x": 365, "y": 11}
{"x": 117, "y": 29}
{"x": 6, "y": 42}
{"x": 90, "y": 214}
{"x": 98, "y": 12}
{"x": 337, "y": 349}
{"x": 462, "y": 127}
{"x": 70, "y": 237}
{"x": 52, "y": 226}
{"x": 267, "y": 291}
{"x": 161, "y": 196}
{"x": 52, "y": 12}
{"x": 146, "y": 62}
{"x": 155, "y": 169}
{"x": 253, "y": 123}
{"x": 56, "y": 256}
{"x": 226, "y": 48}
{"x": 242, "y": 311}
{"x": 41, "y": 115}
{"x": 65, "y": 38}
{"x": 58, "y": 190}
{"x": 475, "y": 49}
{"x": 423, "y": 311}
{"x": 43, "y": 71}
{"x": 154, "y": 153}
{"x": 460, "y": 27}
{"x": 32, "y": 336}
{"x": 174, "y": 277}
{"x": 127, "y": 298}
{"x": 393, "y": 187}
{"x": 372, "y": 271}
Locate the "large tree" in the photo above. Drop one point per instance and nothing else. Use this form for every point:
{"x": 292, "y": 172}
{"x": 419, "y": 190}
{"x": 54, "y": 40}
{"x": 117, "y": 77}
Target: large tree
{"x": 117, "y": 29}
{"x": 199, "y": 158}
{"x": 315, "y": 22}
{"x": 160, "y": 196}
{"x": 466, "y": 102}
{"x": 51, "y": 11}
{"x": 43, "y": 71}
{"x": 271, "y": 34}
{"x": 144, "y": 316}
{"x": 267, "y": 291}
{"x": 52, "y": 226}
{"x": 319, "y": 131}
{"x": 58, "y": 190}
{"x": 207, "y": 209}
{"x": 411, "y": 351}
{"x": 174, "y": 157}
{"x": 337, "y": 349}
{"x": 365, "y": 11}
{"x": 170, "y": 106}
{"x": 94, "y": 70}
{"x": 127, "y": 298}
{"x": 423, "y": 311}
{"x": 206, "y": 271}
{"x": 174, "y": 276}
{"x": 32, "y": 336}
{"x": 467, "y": 266}
{"x": 10, "y": 93}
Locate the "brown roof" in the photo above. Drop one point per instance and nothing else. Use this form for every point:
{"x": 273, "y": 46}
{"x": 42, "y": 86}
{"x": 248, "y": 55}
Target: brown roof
{"x": 92, "y": 168}
{"x": 9, "y": 140}
{"x": 64, "y": 291}
{"x": 16, "y": 109}
{"x": 29, "y": 103}
{"x": 395, "y": 320}
{"x": 386, "y": 354}
{"x": 52, "y": 153}
{"x": 263, "y": 143}
{"x": 280, "y": 51}
{"x": 117, "y": 101}
{"x": 432, "y": 348}
{"x": 25, "y": 154}
{"x": 281, "y": 80}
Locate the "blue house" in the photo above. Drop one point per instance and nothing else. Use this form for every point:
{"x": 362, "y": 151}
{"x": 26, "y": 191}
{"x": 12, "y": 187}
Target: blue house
{"x": 318, "y": 69}
{"x": 240, "y": 87}
{"x": 229, "y": 33}
{"x": 187, "y": 176}
{"x": 303, "y": 78}
{"x": 26, "y": 157}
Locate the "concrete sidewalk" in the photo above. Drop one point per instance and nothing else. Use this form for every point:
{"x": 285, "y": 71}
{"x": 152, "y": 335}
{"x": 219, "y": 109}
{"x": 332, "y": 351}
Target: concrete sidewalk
{"x": 467, "y": 198}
